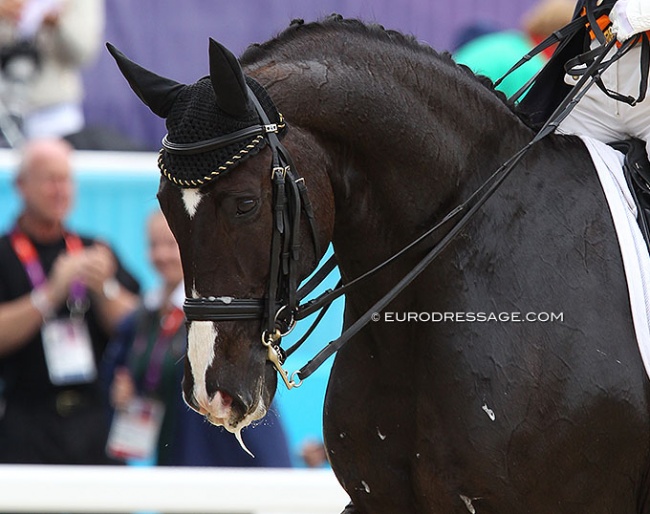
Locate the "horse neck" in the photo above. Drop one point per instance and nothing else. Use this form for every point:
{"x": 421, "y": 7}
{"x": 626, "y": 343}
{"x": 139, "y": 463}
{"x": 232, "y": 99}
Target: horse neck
{"x": 409, "y": 137}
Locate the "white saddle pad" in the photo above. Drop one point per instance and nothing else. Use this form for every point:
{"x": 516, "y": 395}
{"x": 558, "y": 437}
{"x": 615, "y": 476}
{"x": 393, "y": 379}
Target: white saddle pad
{"x": 636, "y": 261}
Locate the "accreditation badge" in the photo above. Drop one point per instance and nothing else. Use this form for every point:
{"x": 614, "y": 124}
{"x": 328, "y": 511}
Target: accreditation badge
{"x": 135, "y": 430}
{"x": 68, "y": 351}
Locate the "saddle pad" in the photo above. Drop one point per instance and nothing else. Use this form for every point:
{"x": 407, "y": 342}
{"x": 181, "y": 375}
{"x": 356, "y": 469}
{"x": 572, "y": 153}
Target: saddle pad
{"x": 636, "y": 260}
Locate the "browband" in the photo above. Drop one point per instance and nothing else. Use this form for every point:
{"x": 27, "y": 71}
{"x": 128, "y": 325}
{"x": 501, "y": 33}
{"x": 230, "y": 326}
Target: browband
{"x": 217, "y": 142}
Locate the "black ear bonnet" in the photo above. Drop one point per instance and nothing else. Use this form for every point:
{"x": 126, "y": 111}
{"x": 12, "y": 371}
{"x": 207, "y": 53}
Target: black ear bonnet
{"x": 213, "y": 124}
{"x": 195, "y": 116}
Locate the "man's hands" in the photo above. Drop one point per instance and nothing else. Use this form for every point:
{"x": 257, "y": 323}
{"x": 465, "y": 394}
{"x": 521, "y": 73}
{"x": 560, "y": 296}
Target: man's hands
{"x": 92, "y": 267}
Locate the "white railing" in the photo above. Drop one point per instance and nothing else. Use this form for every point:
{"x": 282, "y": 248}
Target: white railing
{"x": 117, "y": 489}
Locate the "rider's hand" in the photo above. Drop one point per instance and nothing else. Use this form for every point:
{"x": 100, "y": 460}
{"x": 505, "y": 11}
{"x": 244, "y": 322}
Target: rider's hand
{"x": 630, "y": 17}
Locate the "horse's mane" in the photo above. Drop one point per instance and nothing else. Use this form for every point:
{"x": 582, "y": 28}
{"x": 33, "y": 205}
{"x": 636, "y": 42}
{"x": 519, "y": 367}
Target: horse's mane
{"x": 335, "y": 22}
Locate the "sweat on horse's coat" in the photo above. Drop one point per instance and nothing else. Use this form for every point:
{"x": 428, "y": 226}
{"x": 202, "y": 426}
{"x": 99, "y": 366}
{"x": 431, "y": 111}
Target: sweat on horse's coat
{"x": 389, "y": 136}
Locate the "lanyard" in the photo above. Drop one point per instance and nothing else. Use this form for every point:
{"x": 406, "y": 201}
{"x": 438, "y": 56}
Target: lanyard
{"x": 169, "y": 325}
{"x": 28, "y": 256}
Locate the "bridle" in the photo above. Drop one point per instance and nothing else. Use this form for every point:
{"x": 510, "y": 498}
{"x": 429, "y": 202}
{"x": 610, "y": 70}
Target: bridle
{"x": 282, "y": 308}
{"x": 290, "y": 200}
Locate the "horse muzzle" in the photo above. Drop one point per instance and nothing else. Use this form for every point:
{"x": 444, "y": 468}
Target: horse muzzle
{"x": 227, "y": 380}
{"x": 222, "y": 409}
{"x": 226, "y": 308}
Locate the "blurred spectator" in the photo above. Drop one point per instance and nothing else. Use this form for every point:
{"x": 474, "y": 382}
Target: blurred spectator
{"x": 544, "y": 18}
{"x": 494, "y": 54}
{"x": 145, "y": 362}
{"x": 43, "y": 46}
{"x": 60, "y": 296}
{"x": 313, "y": 454}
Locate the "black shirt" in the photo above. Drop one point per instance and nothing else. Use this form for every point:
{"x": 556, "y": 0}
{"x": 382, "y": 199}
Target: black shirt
{"x": 23, "y": 374}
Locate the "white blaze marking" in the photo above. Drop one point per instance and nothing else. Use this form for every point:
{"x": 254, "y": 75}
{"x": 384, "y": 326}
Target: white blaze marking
{"x": 201, "y": 337}
{"x": 191, "y": 199}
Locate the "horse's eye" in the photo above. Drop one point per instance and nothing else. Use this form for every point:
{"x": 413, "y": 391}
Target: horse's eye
{"x": 246, "y": 206}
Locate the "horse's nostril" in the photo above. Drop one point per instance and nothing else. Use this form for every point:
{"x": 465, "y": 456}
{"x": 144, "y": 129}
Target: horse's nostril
{"x": 228, "y": 396}
{"x": 225, "y": 398}
{"x": 226, "y": 405}
{"x": 211, "y": 387}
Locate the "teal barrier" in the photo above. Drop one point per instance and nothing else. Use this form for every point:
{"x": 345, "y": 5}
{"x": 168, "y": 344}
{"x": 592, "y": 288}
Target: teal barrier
{"x": 115, "y": 194}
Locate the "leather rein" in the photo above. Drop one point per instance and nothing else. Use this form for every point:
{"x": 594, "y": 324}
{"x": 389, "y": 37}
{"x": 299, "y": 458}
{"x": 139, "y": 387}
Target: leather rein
{"x": 281, "y": 308}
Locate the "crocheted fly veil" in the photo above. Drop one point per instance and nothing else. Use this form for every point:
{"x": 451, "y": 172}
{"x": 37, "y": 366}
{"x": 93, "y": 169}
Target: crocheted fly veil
{"x": 200, "y": 117}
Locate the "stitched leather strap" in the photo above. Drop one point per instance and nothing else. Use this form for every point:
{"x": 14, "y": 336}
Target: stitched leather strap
{"x": 212, "y": 144}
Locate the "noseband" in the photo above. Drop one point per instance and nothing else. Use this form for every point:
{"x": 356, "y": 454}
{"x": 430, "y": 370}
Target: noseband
{"x": 290, "y": 200}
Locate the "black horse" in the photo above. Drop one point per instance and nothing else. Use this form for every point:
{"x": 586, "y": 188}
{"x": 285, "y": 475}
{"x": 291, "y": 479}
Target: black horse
{"x": 472, "y": 412}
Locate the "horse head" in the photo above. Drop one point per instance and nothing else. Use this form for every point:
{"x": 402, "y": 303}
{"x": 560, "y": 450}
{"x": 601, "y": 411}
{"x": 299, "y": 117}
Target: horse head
{"x": 247, "y": 230}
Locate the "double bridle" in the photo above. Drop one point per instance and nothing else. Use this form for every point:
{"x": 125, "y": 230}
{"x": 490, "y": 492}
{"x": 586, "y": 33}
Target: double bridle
{"x": 282, "y": 308}
{"x": 290, "y": 200}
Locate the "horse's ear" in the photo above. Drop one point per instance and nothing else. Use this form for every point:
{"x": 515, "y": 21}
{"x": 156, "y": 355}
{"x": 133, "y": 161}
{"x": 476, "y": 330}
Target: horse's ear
{"x": 158, "y": 93}
{"x": 228, "y": 81}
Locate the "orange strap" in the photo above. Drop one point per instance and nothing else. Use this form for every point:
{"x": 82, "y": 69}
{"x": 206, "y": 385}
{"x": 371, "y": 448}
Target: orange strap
{"x": 603, "y": 22}
{"x": 605, "y": 25}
